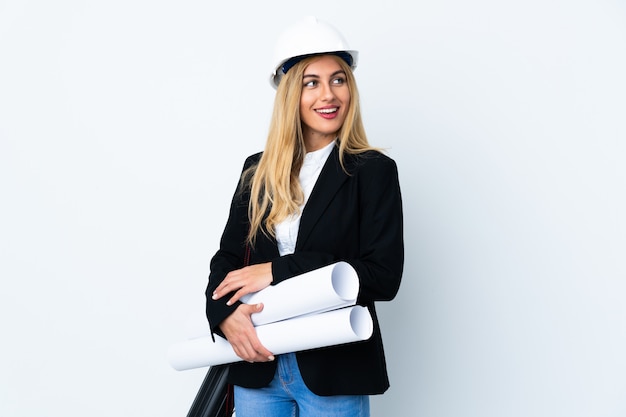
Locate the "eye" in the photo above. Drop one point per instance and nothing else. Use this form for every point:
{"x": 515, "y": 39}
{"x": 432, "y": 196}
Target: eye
{"x": 339, "y": 81}
{"x": 311, "y": 83}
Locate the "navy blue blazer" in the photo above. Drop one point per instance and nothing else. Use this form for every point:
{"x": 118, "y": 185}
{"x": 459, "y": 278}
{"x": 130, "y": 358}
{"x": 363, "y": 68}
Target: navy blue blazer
{"x": 354, "y": 217}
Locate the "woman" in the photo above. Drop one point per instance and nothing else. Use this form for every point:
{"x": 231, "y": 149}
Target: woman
{"x": 318, "y": 194}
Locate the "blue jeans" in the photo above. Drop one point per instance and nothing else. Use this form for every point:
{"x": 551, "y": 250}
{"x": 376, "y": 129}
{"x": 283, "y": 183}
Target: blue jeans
{"x": 288, "y": 396}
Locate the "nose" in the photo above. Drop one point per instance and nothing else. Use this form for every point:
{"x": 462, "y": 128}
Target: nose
{"x": 326, "y": 92}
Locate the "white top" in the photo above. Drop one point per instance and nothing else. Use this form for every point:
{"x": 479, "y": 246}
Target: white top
{"x": 287, "y": 230}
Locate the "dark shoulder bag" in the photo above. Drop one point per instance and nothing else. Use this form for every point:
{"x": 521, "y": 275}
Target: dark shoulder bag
{"x": 215, "y": 397}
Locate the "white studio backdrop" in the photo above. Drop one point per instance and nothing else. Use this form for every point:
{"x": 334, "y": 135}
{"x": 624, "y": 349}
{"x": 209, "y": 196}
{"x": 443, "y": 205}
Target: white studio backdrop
{"x": 123, "y": 128}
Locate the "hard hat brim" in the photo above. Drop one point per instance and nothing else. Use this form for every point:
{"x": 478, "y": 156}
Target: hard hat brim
{"x": 350, "y": 57}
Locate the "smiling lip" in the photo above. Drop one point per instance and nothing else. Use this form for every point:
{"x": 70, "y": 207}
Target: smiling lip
{"x": 328, "y": 112}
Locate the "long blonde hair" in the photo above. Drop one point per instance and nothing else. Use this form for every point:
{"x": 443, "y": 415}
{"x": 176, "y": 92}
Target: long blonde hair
{"x": 275, "y": 191}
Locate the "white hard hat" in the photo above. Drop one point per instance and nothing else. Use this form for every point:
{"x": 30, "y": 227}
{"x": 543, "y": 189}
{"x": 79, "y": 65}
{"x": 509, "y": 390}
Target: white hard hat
{"x": 306, "y": 37}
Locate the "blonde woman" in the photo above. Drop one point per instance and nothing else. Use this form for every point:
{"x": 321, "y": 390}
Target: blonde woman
{"x": 317, "y": 194}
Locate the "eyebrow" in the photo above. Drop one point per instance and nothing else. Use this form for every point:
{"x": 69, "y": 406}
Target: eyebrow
{"x": 331, "y": 75}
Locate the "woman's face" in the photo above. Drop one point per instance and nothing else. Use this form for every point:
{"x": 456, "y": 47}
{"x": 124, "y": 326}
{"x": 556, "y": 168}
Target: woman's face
{"x": 324, "y": 102}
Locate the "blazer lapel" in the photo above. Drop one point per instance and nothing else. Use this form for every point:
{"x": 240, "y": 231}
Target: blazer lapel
{"x": 330, "y": 180}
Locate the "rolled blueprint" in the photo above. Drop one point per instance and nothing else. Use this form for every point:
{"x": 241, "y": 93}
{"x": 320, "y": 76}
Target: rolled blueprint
{"x": 346, "y": 325}
{"x": 328, "y": 288}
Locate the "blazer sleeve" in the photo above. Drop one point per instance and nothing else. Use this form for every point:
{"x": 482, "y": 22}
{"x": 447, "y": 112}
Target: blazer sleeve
{"x": 380, "y": 261}
{"x": 230, "y": 255}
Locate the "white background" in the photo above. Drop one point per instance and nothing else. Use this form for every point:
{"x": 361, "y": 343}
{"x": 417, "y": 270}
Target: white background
{"x": 124, "y": 126}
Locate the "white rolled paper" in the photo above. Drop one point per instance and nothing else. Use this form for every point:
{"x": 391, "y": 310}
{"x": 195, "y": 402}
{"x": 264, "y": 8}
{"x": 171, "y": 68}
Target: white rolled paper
{"x": 331, "y": 328}
{"x": 328, "y": 288}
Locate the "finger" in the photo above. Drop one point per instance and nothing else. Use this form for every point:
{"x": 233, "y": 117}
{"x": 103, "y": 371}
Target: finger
{"x": 260, "y": 350}
{"x": 248, "y": 353}
{"x": 264, "y": 354}
{"x": 240, "y": 293}
{"x": 219, "y": 293}
{"x": 247, "y": 350}
{"x": 233, "y": 281}
{"x": 223, "y": 288}
{"x": 242, "y": 346}
{"x": 227, "y": 286}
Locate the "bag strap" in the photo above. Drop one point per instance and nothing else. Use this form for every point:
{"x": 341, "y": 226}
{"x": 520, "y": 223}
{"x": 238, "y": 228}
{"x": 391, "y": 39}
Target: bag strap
{"x": 246, "y": 256}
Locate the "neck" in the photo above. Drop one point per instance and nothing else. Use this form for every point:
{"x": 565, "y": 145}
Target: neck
{"x": 316, "y": 142}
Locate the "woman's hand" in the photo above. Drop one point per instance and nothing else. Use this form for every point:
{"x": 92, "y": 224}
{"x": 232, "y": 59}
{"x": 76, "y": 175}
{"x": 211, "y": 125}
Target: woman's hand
{"x": 241, "y": 335}
{"x": 244, "y": 281}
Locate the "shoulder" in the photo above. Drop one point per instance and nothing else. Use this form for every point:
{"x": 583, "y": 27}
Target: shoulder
{"x": 369, "y": 162}
{"x": 246, "y": 172}
{"x": 374, "y": 172}
{"x": 252, "y": 160}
